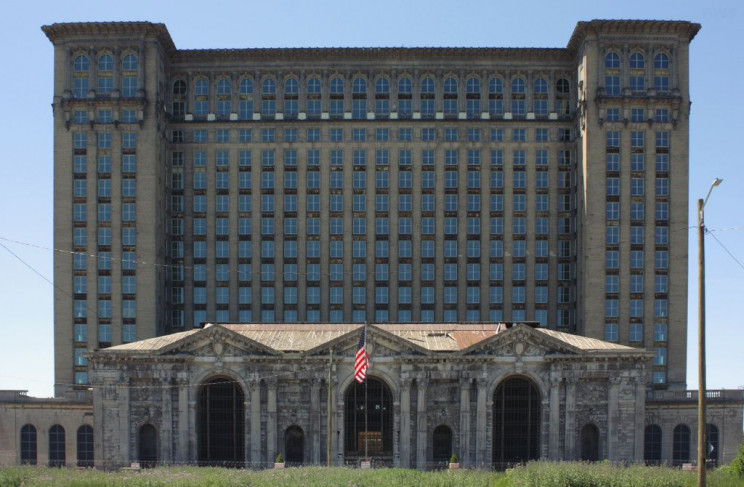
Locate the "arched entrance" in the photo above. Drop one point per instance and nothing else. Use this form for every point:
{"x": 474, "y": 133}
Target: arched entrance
{"x": 516, "y": 422}
{"x": 590, "y": 443}
{"x": 711, "y": 435}
{"x": 148, "y": 446}
{"x": 652, "y": 445}
{"x": 294, "y": 445}
{"x": 368, "y": 425}
{"x": 680, "y": 445}
{"x": 220, "y": 423}
{"x": 442, "y": 447}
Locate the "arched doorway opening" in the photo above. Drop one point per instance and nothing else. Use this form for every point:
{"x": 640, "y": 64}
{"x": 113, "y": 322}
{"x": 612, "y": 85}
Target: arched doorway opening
{"x": 516, "y": 422}
{"x": 148, "y": 446}
{"x": 442, "y": 444}
{"x": 57, "y": 446}
{"x": 711, "y": 436}
{"x": 221, "y": 423}
{"x": 590, "y": 443}
{"x": 680, "y": 445}
{"x": 368, "y": 424}
{"x": 294, "y": 445}
{"x": 652, "y": 445}
{"x": 85, "y": 446}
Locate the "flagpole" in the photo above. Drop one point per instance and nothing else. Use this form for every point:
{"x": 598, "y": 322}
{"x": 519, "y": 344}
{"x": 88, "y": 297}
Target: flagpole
{"x": 366, "y": 403}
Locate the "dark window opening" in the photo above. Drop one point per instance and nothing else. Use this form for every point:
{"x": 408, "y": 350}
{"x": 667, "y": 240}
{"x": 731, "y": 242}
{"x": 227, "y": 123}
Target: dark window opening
{"x": 85, "y": 446}
{"x": 28, "y": 445}
{"x": 442, "y": 448}
{"x": 294, "y": 445}
{"x": 516, "y": 423}
{"x": 368, "y": 424}
{"x": 221, "y": 421}
{"x": 148, "y": 448}
{"x": 681, "y": 445}
{"x": 590, "y": 443}
{"x": 57, "y": 446}
{"x": 652, "y": 445}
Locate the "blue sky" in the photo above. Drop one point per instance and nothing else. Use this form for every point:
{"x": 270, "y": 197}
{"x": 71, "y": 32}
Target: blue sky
{"x": 26, "y": 296}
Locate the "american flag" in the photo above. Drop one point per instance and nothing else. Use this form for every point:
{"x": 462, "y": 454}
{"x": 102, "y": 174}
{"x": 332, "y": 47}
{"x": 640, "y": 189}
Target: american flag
{"x": 361, "y": 363}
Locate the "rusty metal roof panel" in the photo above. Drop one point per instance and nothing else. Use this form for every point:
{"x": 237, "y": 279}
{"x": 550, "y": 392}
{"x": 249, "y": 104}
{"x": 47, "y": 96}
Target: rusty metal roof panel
{"x": 293, "y": 337}
{"x": 152, "y": 344}
{"x": 585, "y": 343}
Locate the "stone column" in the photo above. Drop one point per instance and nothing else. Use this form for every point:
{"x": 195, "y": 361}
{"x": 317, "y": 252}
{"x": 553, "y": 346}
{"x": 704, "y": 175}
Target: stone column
{"x": 182, "y": 450}
{"x": 271, "y": 426}
{"x": 405, "y": 423}
{"x": 315, "y": 418}
{"x": 640, "y": 418}
{"x": 166, "y": 428}
{"x": 481, "y": 426}
{"x": 255, "y": 386}
{"x": 612, "y": 417}
{"x": 570, "y": 421}
{"x": 421, "y": 423}
{"x": 555, "y": 419}
{"x": 122, "y": 394}
{"x": 99, "y": 453}
{"x": 464, "y": 455}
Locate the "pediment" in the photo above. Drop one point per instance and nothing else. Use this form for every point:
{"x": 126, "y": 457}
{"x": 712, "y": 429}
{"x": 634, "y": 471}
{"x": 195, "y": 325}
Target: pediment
{"x": 520, "y": 341}
{"x": 217, "y": 341}
{"x": 380, "y": 343}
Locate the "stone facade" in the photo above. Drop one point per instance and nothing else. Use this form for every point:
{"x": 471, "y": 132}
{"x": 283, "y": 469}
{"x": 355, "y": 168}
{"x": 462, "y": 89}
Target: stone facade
{"x": 270, "y": 185}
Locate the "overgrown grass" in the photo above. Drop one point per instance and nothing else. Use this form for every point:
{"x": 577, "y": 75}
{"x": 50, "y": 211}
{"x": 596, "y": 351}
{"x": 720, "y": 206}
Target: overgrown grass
{"x": 536, "y": 474}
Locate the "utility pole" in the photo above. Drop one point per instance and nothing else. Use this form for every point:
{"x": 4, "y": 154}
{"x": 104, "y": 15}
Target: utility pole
{"x": 701, "y": 454}
{"x": 702, "y": 449}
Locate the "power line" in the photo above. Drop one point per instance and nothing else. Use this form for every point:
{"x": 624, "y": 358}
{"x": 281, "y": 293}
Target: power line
{"x": 726, "y": 250}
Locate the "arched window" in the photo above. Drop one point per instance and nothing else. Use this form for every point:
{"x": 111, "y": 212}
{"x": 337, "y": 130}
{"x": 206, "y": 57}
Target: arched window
{"x": 681, "y": 445}
{"x": 562, "y": 92}
{"x": 220, "y": 423}
{"x": 291, "y": 97}
{"x": 442, "y": 444}
{"x": 427, "y": 97}
{"x": 637, "y": 61}
{"x": 201, "y": 87}
{"x": 540, "y": 97}
{"x": 28, "y": 445}
{"x": 245, "y": 105}
{"x": 590, "y": 443}
{"x": 612, "y": 61}
{"x": 294, "y": 445}
{"x": 359, "y": 86}
{"x": 105, "y": 74}
{"x": 382, "y": 98}
{"x": 516, "y": 422}
{"x": 224, "y": 87}
{"x": 405, "y": 95}
{"x": 368, "y": 424}
{"x": 637, "y": 72}
{"x": 382, "y": 86}
{"x": 612, "y": 74}
{"x": 268, "y": 97}
{"x": 291, "y": 86}
{"x": 201, "y": 98}
{"x": 652, "y": 444}
{"x": 246, "y": 86}
{"x": 517, "y": 97}
{"x": 336, "y": 103}
{"x": 472, "y": 86}
{"x": 81, "y": 64}
{"x": 80, "y": 76}
{"x": 450, "y": 97}
{"x": 661, "y": 61}
{"x": 105, "y": 63}
{"x": 711, "y": 437}
{"x": 495, "y": 97}
{"x": 359, "y": 98}
{"x": 56, "y": 446}
{"x": 337, "y": 86}
{"x": 129, "y": 63}
{"x": 541, "y": 86}
{"x": 147, "y": 446}
{"x": 313, "y": 86}
{"x": 268, "y": 87}
{"x": 85, "y": 446}
{"x": 179, "y": 88}
{"x": 313, "y": 97}
{"x": 661, "y": 72}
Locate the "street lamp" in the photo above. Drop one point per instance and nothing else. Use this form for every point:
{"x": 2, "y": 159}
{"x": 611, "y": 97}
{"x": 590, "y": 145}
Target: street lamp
{"x": 702, "y": 425}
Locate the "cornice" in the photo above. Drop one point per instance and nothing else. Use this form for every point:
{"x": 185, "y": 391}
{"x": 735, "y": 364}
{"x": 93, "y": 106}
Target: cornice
{"x": 681, "y": 28}
{"x": 63, "y": 31}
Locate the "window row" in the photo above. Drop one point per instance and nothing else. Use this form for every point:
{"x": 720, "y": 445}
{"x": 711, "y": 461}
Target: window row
{"x": 57, "y": 446}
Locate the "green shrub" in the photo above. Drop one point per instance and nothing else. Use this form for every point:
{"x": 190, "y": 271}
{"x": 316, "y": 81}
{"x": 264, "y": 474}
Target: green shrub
{"x": 737, "y": 466}
{"x": 279, "y": 458}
